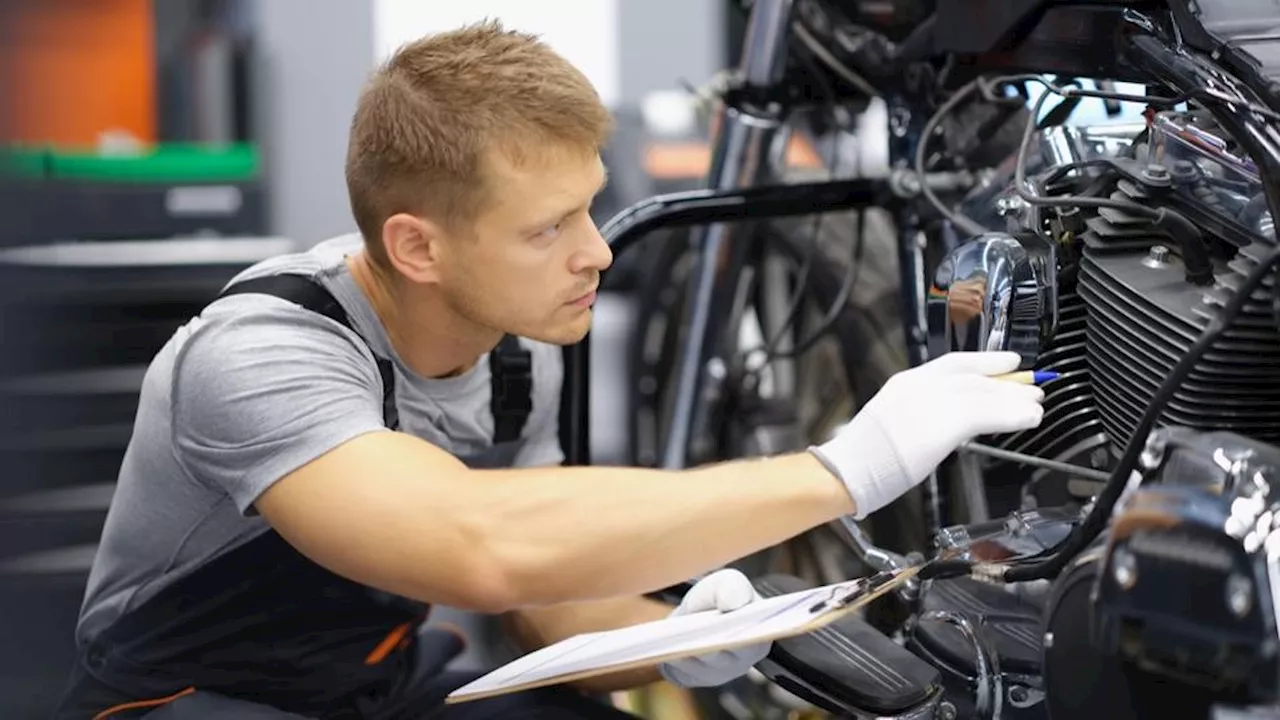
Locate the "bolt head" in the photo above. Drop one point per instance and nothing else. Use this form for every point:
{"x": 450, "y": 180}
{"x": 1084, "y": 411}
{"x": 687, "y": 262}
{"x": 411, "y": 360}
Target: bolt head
{"x": 1156, "y": 175}
{"x": 1153, "y": 453}
{"x": 1184, "y": 169}
{"x": 1098, "y": 458}
{"x": 1239, "y": 595}
{"x": 1008, "y": 205}
{"x": 1124, "y": 568}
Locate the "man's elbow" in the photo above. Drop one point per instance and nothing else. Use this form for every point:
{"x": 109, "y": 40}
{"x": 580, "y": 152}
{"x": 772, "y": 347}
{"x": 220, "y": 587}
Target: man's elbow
{"x": 504, "y": 576}
{"x": 487, "y": 580}
{"x": 493, "y": 570}
{"x": 489, "y": 588}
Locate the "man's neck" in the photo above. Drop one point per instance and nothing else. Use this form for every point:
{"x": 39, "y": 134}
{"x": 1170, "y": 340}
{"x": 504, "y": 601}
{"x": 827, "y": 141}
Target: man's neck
{"x": 433, "y": 341}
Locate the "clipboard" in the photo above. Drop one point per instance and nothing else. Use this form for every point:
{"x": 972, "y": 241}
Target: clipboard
{"x": 648, "y": 644}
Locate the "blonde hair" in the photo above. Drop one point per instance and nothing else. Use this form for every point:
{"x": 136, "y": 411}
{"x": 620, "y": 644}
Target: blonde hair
{"x": 429, "y": 118}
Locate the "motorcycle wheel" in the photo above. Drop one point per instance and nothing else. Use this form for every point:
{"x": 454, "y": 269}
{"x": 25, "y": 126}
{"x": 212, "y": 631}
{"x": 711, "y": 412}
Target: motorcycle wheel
{"x": 865, "y": 346}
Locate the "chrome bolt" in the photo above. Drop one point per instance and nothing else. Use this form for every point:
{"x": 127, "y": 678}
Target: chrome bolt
{"x": 716, "y": 369}
{"x": 1156, "y": 175}
{"x": 1239, "y": 595}
{"x": 1008, "y": 205}
{"x": 1153, "y": 451}
{"x": 1157, "y": 257}
{"x": 1124, "y": 568}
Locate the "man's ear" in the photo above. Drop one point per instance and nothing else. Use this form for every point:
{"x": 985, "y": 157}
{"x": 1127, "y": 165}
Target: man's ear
{"x": 413, "y": 246}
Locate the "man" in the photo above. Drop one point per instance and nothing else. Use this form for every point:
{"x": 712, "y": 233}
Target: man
{"x": 313, "y": 461}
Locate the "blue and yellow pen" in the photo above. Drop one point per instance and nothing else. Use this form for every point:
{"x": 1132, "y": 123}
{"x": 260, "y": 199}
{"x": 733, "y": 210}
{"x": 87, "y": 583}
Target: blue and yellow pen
{"x": 1029, "y": 377}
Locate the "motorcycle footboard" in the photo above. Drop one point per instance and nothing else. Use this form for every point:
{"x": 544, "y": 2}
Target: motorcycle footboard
{"x": 1010, "y": 624}
{"x": 847, "y": 664}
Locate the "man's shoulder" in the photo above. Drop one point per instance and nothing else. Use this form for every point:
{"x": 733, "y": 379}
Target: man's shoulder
{"x": 259, "y": 338}
{"x": 243, "y": 319}
{"x": 319, "y": 260}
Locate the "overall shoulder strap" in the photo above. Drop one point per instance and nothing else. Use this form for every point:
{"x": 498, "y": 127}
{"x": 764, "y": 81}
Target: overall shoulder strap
{"x": 511, "y": 372}
{"x": 311, "y": 295}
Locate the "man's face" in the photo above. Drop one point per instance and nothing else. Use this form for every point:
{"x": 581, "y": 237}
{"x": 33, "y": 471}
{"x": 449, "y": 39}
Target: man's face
{"x": 533, "y": 267}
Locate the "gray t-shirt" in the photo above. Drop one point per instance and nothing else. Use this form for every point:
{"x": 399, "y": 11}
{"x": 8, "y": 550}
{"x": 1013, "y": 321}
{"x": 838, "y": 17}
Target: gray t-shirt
{"x": 256, "y": 387}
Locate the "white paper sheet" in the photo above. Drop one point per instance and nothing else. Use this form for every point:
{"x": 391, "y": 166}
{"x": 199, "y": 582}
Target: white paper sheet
{"x": 685, "y": 635}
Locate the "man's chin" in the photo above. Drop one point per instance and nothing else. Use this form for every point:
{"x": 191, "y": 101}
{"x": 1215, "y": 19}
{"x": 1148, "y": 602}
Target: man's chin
{"x": 566, "y": 334}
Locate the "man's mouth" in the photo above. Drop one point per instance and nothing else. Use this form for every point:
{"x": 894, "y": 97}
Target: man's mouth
{"x": 586, "y": 300}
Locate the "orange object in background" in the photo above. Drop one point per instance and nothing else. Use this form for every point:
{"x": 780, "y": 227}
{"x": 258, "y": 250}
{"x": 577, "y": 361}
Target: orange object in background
{"x": 75, "y": 69}
{"x": 692, "y": 160}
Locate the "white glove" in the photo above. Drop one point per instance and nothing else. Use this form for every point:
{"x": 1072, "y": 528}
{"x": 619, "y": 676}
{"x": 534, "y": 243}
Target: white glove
{"x": 922, "y": 415}
{"x": 722, "y": 590}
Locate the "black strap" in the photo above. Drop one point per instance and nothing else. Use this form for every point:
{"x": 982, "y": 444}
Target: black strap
{"x": 511, "y": 401}
{"x": 313, "y": 296}
{"x": 510, "y": 365}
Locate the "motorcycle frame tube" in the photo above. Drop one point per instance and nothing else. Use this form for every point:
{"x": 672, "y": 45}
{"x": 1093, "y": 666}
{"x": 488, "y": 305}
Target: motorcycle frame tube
{"x": 698, "y": 207}
{"x": 743, "y": 138}
{"x": 906, "y": 126}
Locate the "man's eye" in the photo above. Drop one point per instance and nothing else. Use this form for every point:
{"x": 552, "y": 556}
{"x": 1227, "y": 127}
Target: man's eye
{"x": 552, "y": 231}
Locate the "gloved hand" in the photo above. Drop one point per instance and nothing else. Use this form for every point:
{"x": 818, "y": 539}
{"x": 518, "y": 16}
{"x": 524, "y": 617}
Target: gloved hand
{"x": 722, "y": 590}
{"x": 919, "y": 417}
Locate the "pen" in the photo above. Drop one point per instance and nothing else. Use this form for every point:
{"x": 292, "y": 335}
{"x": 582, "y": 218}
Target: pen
{"x": 1029, "y": 377}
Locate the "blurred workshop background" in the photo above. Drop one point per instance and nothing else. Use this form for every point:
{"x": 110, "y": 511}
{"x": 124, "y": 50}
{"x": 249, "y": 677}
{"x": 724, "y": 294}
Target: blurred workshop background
{"x": 153, "y": 148}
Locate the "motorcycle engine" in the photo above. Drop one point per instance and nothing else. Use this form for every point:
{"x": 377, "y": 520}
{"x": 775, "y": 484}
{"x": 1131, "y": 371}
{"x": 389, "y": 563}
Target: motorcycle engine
{"x": 1122, "y": 310}
{"x": 1127, "y": 633}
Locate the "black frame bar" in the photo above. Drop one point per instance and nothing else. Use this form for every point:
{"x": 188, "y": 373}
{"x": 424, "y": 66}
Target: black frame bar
{"x": 686, "y": 209}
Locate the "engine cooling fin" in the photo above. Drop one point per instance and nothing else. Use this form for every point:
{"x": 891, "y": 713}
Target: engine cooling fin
{"x": 1071, "y": 418}
{"x": 1143, "y": 317}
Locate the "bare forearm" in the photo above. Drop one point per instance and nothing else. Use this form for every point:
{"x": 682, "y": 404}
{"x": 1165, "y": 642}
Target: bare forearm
{"x": 564, "y": 534}
{"x": 537, "y": 627}
{"x": 425, "y": 526}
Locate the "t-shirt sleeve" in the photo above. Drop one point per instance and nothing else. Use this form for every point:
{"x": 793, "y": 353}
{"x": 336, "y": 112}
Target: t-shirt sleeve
{"x": 261, "y": 393}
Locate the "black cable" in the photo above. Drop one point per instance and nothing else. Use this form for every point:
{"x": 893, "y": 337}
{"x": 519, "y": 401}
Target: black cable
{"x": 1096, "y": 521}
{"x": 1073, "y": 201}
{"x": 964, "y": 222}
{"x": 834, "y": 310}
{"x": 796, "y": 302}
{"x": 837, "y": 307}
{"x": 942, "y": 569}
{"x": 1059, "y": 171}
{"x": 988, "y": 89}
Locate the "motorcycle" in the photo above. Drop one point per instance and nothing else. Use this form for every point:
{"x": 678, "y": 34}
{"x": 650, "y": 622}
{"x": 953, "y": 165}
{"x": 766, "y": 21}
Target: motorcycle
{"x": 1121, "y": 559}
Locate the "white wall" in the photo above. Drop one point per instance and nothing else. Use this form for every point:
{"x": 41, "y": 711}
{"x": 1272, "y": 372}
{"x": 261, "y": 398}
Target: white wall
{"x": 585, "y": 32}
{"x": 313, "y": 58}
{"x": 316, "y": 54}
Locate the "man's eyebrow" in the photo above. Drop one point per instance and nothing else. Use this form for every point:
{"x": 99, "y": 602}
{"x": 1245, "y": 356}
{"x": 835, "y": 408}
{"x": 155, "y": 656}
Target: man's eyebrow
{"x": 560, "y": 217}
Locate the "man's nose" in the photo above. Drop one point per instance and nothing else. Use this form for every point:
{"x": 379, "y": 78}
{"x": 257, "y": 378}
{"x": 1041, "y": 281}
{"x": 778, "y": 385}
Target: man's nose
{"x": 594, "y": 254}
